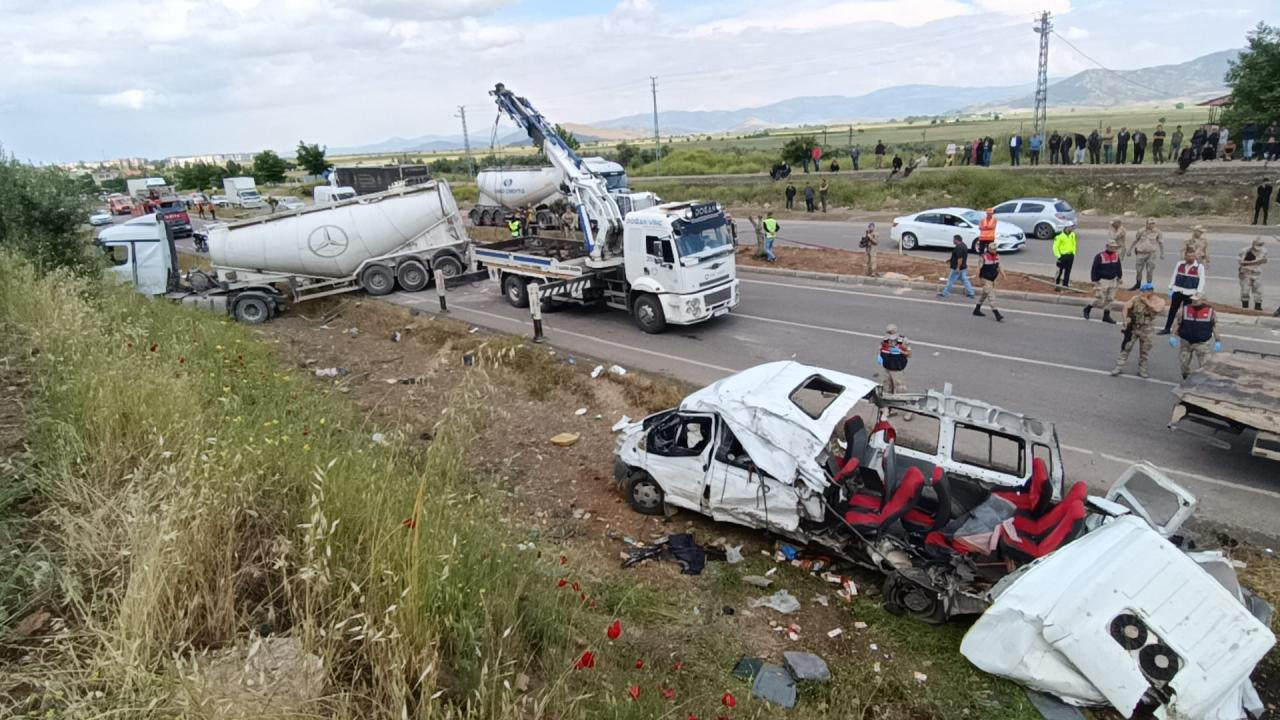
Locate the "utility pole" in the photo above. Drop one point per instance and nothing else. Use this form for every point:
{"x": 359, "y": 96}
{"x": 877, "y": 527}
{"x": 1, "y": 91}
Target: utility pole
{"x": 653, "y": 87}
{"x": 1043, "y": 26}
{"x": 466, "y": 140}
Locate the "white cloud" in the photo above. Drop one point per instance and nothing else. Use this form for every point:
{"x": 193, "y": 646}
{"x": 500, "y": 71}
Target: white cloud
{"x": 483, "y": 37}
{"x": 1075, "y": 33}
{"x": 132, "y": 99}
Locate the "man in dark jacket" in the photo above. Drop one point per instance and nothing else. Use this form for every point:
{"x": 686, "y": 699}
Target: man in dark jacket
{"x": 988, "y": 145}
{"x": 1157, "y": 144}
{"x": 1095, "y": 147}
{"x": 1106, "y": 277}
{"x": 1122, "y": 145}
{"x": 1080, "y": 143}
{"x": 1139, "y": 146}
{"x": 808, "y": 198}
{"x": 1055, "y": 144}
{"x": 1263, "y": 203}
{"x": 791, "y": 196}
{"x": 1064, "y": 149}
{"x": 959, "y": 264}
{"x": 879, "y": 154}
{"x": 1248, "y": 136}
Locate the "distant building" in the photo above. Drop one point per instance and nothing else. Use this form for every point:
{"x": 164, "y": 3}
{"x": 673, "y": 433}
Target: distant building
{"x": 1215, "y": 106}
{"x": 374, "y": 179}
{"x": 215, "y": 159}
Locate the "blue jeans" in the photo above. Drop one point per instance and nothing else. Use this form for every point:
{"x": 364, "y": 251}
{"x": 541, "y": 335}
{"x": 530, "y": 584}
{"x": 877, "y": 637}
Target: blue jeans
{"x": 1107, "y": 157}
{"x": 962, "y": 276}
{"x": 768, "y": 249}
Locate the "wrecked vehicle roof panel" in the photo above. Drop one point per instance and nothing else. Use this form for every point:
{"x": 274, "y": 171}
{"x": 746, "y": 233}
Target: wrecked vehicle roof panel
{"x": 1241, "y": 386}
{"x": 1058, "y": 615}
{"x": 780, "y": 436}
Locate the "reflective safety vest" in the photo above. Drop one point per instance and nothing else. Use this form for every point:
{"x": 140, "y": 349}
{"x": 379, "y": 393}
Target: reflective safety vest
{"x": 770, "y": 228}
{"x": 891, "y": 353}
{"x": 990, "y": 266}
{"x": 987, "y": 230}
{"x": 514, "y": 227}
{"x": 1187, "y": 277}
{"x": 1197, "y": 324}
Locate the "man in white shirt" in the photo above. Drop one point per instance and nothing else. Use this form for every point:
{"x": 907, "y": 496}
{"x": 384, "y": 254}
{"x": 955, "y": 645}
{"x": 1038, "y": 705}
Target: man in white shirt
{"x": 951, "y": 153}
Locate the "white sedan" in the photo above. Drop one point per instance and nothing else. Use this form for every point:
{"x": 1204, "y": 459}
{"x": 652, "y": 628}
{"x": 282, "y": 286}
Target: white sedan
{"x": 936, "y": 228}
{"x": 101, "y": 217}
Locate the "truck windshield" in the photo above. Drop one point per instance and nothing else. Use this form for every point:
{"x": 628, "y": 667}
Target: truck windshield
{"x": 615, "y": 181}
{"x": 699, "y": 240}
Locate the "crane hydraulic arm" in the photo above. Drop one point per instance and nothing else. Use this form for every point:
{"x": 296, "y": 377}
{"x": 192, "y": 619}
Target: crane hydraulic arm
{"x": 589, "y": 191}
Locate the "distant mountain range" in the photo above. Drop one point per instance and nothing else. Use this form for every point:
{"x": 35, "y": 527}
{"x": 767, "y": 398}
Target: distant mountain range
{"x": 1193, "y": 80}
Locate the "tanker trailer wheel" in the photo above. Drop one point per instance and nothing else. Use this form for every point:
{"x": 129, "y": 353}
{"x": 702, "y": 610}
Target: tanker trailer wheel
{"x": 251, "y": 309}
{"x": 377, "y": 280}
{"x": 517, "y": 294}
{"x": 449, "y": 265}
{"x": 475, "y": 216}
{"x": 412, "y": 276}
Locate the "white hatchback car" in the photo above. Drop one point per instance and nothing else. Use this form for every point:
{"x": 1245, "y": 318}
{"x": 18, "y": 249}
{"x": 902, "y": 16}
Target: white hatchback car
{"x": 1040, "y": 217}
{"x": 935, "y": 228}
{"x": 290, "y": 203}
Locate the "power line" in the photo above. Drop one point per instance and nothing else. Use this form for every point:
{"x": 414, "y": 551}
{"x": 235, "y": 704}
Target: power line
{"x": 1122, "y": 76}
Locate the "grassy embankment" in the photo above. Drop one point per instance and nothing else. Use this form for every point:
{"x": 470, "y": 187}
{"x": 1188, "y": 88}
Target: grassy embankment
{"x": 185, "y": 489}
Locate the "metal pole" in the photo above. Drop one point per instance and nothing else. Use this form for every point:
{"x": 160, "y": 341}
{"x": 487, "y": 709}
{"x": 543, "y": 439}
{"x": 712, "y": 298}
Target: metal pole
{"x": 1043, "y": 27}
{"x": 535, "y": 309}
{"x": 466, "y": 140}
{"x": 440, "y": 290}
{"x": 653, "y": 87}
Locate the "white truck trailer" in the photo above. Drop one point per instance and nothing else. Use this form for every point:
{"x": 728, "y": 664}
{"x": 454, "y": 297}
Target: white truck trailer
{"x": 671, "y": 263}
{"x": 372, "y": 242}
{"x": 144, "y": 188}
{"x": 242, "y": 192}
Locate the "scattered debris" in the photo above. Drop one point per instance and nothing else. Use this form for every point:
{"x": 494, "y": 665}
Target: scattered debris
{"x": 1051, "y": 708}
{"x": 793, "y": 632}
{"x": 330, "y": 372}
{"x": 733, "y": 554}
{"x": 774, "y": 684}
{"x": 268, "y": 677}
{"x": 859, "y": 625}
{"x": 681, "y": 548}
{"x": 770, "y": 572}
{"x": 760, "y": 582}
{"x": 747, "y": 667}
{"x": 782, "y": 601}
{"x": 580, "y": 412}
{"x": 522, "y": 683}
{"x": 565, "y": 439}
{"x": 806, "y": 666}
{"x": 395, "y": 336}
{"x": 617, "y": 370}
{"x": 835, "y": 633}
{"x": 473, "y": 331}
{"x": 622, "y": 422}
{"x": 919, "y": 676}
{"x": 378, "y": 438}
{"x": 597, "y": 371}
{"x": 822, "y": 600}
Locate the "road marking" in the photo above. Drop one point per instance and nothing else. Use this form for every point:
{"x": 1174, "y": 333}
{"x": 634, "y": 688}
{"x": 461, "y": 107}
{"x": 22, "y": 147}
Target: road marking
{"x": 953, "y": 348}
{"x": 1085, "y": 451}
{"x": 1250, "y": 339}
{"x": 1202, "y": 478}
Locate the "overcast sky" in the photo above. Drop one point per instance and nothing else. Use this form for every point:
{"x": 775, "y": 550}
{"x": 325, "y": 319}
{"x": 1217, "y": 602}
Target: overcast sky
{"x": 87, "y": 79}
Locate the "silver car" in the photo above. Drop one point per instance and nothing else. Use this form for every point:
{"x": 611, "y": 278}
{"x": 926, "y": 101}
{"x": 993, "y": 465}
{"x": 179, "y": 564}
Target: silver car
{"x": 1039, "y": 217}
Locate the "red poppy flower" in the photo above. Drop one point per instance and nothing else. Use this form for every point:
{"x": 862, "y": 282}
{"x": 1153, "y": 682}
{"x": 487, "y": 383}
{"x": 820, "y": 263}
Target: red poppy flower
{"x": 410, "y": 523}
{"x": 592, "y": 605}
{"x": 586, "y": 662}
{"x": 668, "y": 693}
{"x": 577, "y": 587}
{"x": 615, "y": 630}
{"x": 693, "y": 717}
{"x": 562, "y": 583}
{"x": 582, "y": 597}
{"x": 728, "y": 700}
{"x": 634, "y": 692}
{"x": 678, "y": 665}
{"x": 639, "y": 664}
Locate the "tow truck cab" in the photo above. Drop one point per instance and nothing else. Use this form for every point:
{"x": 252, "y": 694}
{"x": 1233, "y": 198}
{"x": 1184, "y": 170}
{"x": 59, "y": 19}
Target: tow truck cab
{"x": 682, "y": 253}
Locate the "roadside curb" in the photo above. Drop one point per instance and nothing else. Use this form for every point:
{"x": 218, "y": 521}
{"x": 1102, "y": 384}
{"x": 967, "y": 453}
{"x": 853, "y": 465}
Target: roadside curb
{"x": 1224, "y": 318}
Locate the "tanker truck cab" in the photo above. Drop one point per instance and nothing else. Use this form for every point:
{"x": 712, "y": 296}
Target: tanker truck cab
{"x": 140, "y": 253}
{"x": 679, "y": 261}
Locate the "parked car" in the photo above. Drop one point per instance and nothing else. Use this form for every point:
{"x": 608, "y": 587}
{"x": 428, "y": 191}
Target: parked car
{"x": 120, "y": 204}
{"x": 935, "y": 228}
{"x": 290, "y": 203}
{"x": 221, "y": 201}
{"x": 195, "y": 199}
{"x": 100, "y": 217}
{"x": 1039, "y": 216}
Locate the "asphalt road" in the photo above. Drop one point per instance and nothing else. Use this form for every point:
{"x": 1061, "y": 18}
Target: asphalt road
{"x": 1043, "y": 360}
{"x": 1222, "y": 283}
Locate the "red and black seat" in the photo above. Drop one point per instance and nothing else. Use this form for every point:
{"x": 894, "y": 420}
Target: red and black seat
{"x": 1034, "y": 497}
{"x": 1039, "y": 536}
{"x": 899, "y": 498}
{"x": 933, "y": 510}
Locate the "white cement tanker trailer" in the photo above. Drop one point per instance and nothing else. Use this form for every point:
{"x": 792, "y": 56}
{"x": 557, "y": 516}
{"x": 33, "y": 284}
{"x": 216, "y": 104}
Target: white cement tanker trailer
{"x": 504, "y": 191}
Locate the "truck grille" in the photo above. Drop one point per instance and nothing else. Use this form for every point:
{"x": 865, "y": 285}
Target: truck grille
{"x": 719, "y": 296}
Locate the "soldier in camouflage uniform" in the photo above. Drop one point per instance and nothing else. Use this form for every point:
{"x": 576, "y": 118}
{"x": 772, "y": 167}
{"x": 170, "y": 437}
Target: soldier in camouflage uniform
{"x": 1139, "y": 315}
{"x": 1119, "y": 236}
{"x": 1145, "y": 244}
{"x": 1199, "y": 243}
{"x": 1252, "y": 259}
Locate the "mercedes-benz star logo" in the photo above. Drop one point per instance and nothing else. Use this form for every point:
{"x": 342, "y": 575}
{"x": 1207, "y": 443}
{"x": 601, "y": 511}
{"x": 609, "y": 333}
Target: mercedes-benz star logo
{"x": 328, "y": 241}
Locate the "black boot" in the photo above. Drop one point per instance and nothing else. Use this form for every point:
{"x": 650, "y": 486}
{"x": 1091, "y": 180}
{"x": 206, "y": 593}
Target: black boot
{"x": 1244, "y": 304}
{"x": 1135, "y": 286}
{"x": 999, "y": 317}
{"x": 1257, "y": 306}
{"x": 1087, "y": 309}
{"x": 977, "y": 310}
{"x": 1106, "y": 317}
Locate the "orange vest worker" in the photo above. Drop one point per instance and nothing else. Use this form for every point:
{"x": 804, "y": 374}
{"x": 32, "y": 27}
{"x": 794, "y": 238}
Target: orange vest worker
{"x": 987, "y": 228}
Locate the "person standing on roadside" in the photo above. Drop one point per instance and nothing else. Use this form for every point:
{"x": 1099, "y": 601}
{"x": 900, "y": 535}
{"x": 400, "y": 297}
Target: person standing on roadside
{"x": 771, "y": 228}
{"x": 568, "y": 222}
{"x": 855, "y": 156}
{"x": 1119, "y": 236}
{"x": 989, "y": 273}
{"x": 1186, "y": 283}
{"x": 987, "y": 230}
{"x": 1037, "y": 141}
{"x": 791, "y": 196}
{"x": 893, "y": 357}
{"x": 1139, "y": 147}
{"x": 822, "y": 194}
{"x": 1108, "y": 139}
{"x": 1139, "y": 316}
{"x": 1081, "y": 141}
{"x": 808, "y": 198}
{"x": 1064, "y": 252}
{"x": 1055, "y": 143}
{"x": 1122, "y": 145}
{"x": 1263, "y": 201}
{"x": 1145, "y": 244}
{"x": 1199, "y": 244}
{"x": 959, "y": 264}
{"x": 1094, "y": 144}
{"x": 1105, "y": 276}
{"x": 1065, "y": 148}
{"x": 1175, "y": 142}
{"x": 951, "y": 154}
{"x": 868, "y": 243}
{"x": 1157, "y": 143}
{"x": 988, "y": 146}
{"x": 1015, "y": 149}
{"x": 816, "y": 154}
{"x": 879, "y": 154}
{"x": 1197, "y": 324}
{"x": 1252, "y": 259}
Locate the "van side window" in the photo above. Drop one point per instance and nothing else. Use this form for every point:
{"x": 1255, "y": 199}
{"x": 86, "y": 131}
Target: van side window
{"x": 116, "y": 254}
{"x": 680, "y": 435}
{"x": 988, "y": 449}
{"x": 729, "y": 451}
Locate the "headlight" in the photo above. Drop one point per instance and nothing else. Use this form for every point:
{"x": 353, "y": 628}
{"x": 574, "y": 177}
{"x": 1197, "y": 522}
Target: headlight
{"x": 693, "y": 306}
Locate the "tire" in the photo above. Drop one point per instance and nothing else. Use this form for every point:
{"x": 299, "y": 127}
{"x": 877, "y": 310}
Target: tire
{"x": 449, "y": 265}
{"x": 412, "y": 276}
{"x": 909, "y": 241}
{"x": 514, "y": 288}
{"x": 475, "y": 216}
{"x": 648, "y": 314}
{"x": 489, "y": 217}
{"x": 251, "y": 309}
{"x": 644, "y": 494}
{"x": 378, "y": 280}
{"x": 902, "y": 596}
{"x": 1044, "y": 231}
{"x": 974, "y": 247}
{"x": 545, "y": 219}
